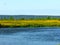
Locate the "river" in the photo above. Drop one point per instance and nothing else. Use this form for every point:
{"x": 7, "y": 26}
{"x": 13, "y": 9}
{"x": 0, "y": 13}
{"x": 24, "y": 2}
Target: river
{"x": 30, "y": 36}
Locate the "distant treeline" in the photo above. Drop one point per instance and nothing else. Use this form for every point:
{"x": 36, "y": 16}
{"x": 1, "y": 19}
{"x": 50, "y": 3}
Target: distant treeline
{"x": 37, "y": 18}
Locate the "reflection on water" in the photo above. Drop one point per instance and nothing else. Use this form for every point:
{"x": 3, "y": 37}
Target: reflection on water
{"x": 34, "y": 36}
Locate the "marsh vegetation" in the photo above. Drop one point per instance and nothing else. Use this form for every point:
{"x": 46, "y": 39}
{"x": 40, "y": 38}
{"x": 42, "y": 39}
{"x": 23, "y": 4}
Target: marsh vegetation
{"x": 31, "y": 22}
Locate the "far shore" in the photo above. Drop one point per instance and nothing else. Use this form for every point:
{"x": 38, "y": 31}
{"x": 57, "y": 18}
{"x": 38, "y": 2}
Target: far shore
{"x": 29, "y": 23}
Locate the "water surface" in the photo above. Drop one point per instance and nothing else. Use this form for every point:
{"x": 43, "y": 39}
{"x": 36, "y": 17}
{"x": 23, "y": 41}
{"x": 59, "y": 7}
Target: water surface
{"x": 29, "y": 36}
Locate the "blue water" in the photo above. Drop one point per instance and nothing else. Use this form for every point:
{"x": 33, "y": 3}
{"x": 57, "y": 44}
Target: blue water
{"x": 29, "y": 36}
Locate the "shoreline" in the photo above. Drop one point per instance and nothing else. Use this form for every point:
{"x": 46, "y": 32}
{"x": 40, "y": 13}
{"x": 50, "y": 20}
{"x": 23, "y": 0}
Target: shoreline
{"x": 29, "y": 23}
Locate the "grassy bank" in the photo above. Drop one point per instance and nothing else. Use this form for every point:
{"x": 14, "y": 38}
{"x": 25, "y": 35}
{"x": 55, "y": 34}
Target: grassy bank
{"x": 29, "y": 23}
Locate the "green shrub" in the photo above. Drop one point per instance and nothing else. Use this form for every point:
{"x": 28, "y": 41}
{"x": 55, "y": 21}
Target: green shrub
{"x": 11, "y": 18}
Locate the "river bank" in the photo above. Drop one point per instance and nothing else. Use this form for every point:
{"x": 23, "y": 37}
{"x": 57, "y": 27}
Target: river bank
{"x": 29, "y": 23}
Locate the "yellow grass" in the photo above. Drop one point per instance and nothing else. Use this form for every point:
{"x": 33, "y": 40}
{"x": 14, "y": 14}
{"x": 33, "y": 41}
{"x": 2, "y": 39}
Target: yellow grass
{"x": 32, "y": 22}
